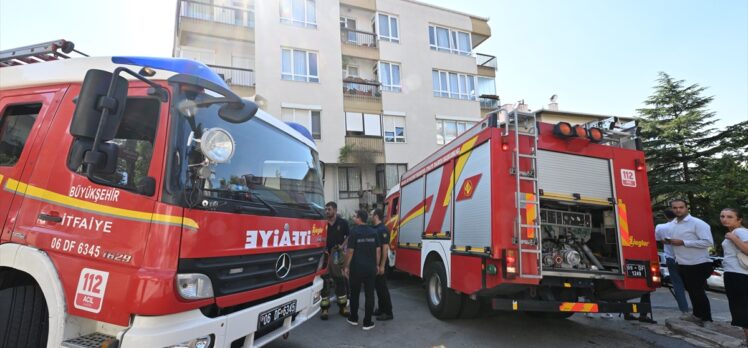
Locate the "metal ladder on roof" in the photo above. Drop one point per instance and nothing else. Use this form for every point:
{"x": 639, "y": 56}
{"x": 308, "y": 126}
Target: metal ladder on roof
{"x": 38, "y": 53}
{"x": 527, "y": 232}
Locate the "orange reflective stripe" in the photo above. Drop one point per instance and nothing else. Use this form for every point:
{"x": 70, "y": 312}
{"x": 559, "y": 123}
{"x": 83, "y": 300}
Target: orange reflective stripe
{"x": 530, "y": 214}
{"x": 623, "y": 223}
{"x": 579, "y": 307}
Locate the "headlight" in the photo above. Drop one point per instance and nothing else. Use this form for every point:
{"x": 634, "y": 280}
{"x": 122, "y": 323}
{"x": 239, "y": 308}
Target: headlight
{"x": 200, "y": 342}
{"x": 194, "y": 286}
{"x": 217, "y": 144}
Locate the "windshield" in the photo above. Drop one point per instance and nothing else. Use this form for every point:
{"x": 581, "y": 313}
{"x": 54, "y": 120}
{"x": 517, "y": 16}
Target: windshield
{"x": 270, "y": 173}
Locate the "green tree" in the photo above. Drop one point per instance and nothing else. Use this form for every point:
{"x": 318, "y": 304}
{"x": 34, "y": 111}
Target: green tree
{"x": 688, "y": 158}
{"x": 677, "y": 132}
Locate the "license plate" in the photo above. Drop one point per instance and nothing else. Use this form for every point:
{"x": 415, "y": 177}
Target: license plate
{"x": 276, "y": 314}
{"x": 636, "y": 270}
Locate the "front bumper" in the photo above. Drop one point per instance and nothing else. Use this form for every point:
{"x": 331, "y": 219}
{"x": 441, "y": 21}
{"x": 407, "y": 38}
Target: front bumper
{"x": 577, "y": 307}
{"x": 167, "y": 330}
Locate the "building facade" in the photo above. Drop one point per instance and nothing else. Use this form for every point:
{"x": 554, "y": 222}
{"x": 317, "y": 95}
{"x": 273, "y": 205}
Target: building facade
{"x": 380, "y": 84}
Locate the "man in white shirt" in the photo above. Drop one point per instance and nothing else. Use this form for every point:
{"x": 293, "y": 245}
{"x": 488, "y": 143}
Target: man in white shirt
{"x": 691, "y": 240}
{"x": 662, "y": 232}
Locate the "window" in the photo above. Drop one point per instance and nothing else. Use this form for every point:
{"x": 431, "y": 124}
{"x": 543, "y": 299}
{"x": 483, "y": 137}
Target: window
{"x": 134, "y": 141}
{"x": 357, "y": 123}
{"x": 299, "y": 12}
{"x": 310, "y": 119}
{"x": 453, "y": 85}
{"x": 348, "y": 26}
{"x": 298, "y": 65}
{"x": 389, "y": 76}
{"x": 349, "y": 182}
{"x": 350, "y": 71}
{"x": 15, "y": 127}
{"x": 448, "y": 130}
{"x": 394, "y": 129}
{"x": 448, "y": 40}
{"x": 387, "y": 28}
{"x": 388, "y": 175}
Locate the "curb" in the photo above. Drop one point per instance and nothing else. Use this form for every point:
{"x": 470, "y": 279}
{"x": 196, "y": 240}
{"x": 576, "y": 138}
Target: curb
{"x": 703, "y": 334}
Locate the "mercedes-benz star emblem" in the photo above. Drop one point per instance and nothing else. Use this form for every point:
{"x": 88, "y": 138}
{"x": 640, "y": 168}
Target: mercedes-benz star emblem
{"x": 283, "y": 266}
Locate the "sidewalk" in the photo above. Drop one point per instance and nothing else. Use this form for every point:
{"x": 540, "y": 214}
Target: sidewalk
{"x": 718, "y": 333}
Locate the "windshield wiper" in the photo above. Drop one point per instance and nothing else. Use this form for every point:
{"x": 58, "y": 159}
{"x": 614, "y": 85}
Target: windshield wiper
{"x": 241, "y": 204}
{"x": 309, "y": 206}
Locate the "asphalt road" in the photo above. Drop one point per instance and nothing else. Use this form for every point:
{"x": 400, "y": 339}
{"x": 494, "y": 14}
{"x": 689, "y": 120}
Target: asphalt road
{"x": 414, "y": 326}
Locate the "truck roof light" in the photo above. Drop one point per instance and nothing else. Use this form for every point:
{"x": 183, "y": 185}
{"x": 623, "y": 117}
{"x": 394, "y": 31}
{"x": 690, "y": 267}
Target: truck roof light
{"x": 562, "y": 129}
{"x": 580, "y": 132}
{"x": 177, "y": 65}
{"x": 595, "y": 134}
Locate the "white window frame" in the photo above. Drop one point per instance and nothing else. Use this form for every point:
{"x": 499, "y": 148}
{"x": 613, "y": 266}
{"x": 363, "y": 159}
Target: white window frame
{"x": 391, "y": 87}
{"x": 453, "y": 41}
{"x": 457, "y": 123}
{"x": 390, "y": 126}
{"x": 389, "y": 37}
{"x": 308, "y": 118}
{"x": 292, "y": 76}
{"x": 347, "y": 70}
{"x": 306, "y": 22}
{"x": 357, "y": 122}
{"x": 463, "y": 91}
{"x": 348, "y": 193}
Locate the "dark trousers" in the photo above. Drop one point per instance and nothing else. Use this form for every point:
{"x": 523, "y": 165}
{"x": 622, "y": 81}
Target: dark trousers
{"x": 365, "y": 280}
{"x": 383, "y": 295}
{"x": 694, "y": 279}
{"x": 340, "y": 284}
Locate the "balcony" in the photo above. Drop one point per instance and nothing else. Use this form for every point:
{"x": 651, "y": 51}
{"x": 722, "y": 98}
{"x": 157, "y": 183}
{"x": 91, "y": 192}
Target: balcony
{"x": 218, "y": 21}
{"x": 359, "y": 44}
{"x": 488, "y": 103}
{"x": 363, "y": 149}
{"x": 486, "y": 64}
{"x": 241, "y": 80}
{"x": 370, "y": 5}
{"x": 361, "y": 95}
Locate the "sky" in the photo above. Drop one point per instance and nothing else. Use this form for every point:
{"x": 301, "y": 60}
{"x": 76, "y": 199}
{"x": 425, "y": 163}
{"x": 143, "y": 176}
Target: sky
{"x": 598, "y": 56}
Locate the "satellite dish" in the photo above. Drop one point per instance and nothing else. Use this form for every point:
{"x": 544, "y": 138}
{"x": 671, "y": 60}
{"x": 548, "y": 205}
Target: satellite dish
{"x": 554, "y": 98}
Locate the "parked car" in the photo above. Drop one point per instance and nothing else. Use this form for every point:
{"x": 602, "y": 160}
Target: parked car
{"x": 664, "y": 271}
{"x": 716, "y": 281}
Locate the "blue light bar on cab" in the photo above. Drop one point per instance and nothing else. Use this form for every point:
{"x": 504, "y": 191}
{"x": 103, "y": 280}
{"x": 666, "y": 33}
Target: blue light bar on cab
{"x": 177, "y": 65}
{"x": 301, "y": 129}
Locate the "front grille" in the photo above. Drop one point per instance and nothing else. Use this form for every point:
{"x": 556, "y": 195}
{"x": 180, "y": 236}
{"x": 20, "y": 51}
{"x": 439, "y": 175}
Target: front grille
{"x": 233, "y": 274}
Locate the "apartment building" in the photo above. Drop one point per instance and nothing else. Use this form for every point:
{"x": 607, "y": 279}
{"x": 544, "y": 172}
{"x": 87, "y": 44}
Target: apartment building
{"x": 380, "y": 84}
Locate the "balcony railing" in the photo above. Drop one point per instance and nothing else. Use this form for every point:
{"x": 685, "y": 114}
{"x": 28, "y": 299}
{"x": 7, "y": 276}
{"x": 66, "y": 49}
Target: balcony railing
{"x": 364, "y": 149}
{"x": 362, "y": 90}
{"x": 358, "y": 38}
{"x": 486, "y": 60}
{"x": 235, "y": 76}
{"x": 220, "y": 14}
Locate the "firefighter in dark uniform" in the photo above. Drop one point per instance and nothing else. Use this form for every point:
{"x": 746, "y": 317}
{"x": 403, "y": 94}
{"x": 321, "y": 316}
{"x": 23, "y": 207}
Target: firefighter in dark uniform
{"x": 384, "y": 301}
{"x": 337, "y": 233}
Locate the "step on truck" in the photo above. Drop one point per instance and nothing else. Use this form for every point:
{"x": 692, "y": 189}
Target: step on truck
{"x": 519, "y": 215}
{"x": 144, "y": 204}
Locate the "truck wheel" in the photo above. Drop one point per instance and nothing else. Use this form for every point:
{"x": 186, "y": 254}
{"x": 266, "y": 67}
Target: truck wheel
{"x": 443, "y": 302}
{"x": 470, "y": 308}
{"x": 23, "y": 312}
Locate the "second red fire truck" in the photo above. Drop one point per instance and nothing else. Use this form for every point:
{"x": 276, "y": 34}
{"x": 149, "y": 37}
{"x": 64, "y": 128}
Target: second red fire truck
{"x": 519, "y": 215}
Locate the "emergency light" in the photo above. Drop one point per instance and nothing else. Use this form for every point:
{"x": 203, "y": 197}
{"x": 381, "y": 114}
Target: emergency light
{"x": 565, "y": 130}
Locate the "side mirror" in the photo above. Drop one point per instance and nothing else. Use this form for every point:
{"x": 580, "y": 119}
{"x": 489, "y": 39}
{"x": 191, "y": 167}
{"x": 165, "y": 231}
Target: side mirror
{"x": 92, "y": 101}
{"x": 238, "y": 112}
{"x": 147, "y": 186}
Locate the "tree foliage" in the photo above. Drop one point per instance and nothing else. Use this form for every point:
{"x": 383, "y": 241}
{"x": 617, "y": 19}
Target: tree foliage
{"x": 687, "y": 156}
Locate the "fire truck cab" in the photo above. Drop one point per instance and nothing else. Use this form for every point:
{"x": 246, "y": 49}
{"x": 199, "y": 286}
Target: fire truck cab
{"x": 144, "y": 204}
{"x": 520, "y": 215}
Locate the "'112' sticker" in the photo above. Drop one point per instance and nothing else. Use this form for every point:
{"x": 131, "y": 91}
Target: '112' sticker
{"x": 91, "y": 288}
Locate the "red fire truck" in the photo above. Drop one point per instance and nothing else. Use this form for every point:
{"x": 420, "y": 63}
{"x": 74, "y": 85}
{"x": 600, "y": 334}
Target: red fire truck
{"x": 144, "y": 204}
{"x": 525, "y": 216}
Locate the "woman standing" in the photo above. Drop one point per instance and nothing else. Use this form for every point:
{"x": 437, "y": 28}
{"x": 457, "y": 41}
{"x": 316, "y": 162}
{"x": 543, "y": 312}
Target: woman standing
{"x": 736, "y": 276}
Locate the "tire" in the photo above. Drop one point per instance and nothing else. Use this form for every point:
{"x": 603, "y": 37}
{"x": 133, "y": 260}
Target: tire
{"x": 24, "y": 319}
{"x": 443, "y": 302}
{"x": 471, "y": 309}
